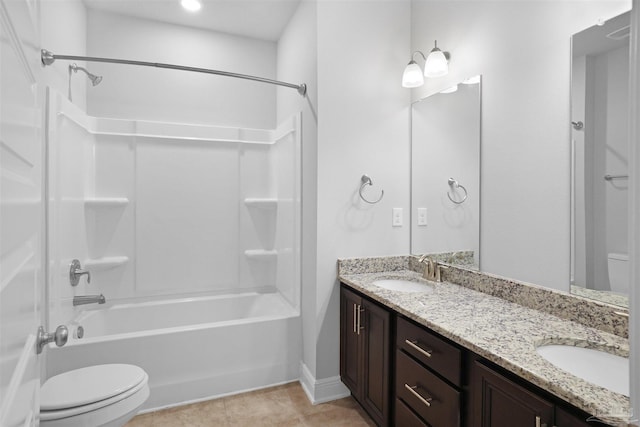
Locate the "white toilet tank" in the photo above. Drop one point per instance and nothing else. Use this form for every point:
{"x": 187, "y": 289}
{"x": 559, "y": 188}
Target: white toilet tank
{"x": 619, "y": 272}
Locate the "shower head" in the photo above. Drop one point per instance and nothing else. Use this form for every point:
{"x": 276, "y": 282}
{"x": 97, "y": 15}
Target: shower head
{"x": 95, "y": 80}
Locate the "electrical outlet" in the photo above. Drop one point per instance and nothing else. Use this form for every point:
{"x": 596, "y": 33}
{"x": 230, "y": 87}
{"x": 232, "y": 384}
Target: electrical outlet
{"x": 397, "y": 217}
{"x": 422, "y": 216}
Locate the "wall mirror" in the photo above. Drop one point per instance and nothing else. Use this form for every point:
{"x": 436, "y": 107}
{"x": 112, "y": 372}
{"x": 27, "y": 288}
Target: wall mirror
{"x": 445, "y": 174}
{"x": 599, "y": 157}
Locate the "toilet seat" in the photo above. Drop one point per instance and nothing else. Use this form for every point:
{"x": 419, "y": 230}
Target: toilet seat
{"x": 97, "y": 392}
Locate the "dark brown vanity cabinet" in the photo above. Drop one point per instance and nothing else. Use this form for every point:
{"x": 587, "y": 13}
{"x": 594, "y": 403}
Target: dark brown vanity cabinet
{"x": 499, "y": 401}
{"x": 365, "y": 352}
{"x": 431, "y": 381}
{"x": 428, "y": 378}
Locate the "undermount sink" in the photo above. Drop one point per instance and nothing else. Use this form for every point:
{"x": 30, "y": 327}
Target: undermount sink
{"x": 595, "y": 366}
{"x": 402, "y": 285}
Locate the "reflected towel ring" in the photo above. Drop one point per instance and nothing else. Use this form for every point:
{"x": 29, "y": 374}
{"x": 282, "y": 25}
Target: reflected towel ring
{"x": 453, "y": 183}
{"x": 365, "y": 180}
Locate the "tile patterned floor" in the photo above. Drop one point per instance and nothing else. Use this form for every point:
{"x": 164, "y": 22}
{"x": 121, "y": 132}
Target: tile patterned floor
{"x": 283, "y": 406}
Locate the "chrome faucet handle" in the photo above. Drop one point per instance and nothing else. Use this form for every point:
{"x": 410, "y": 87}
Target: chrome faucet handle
{"x": 428, "y": 266}
{"x": 60, "y": 337}
{"x": 75, "y": 271}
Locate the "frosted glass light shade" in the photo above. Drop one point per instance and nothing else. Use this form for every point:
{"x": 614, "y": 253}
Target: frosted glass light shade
{"x": 191, "y": 5}
{"x": 436, "y": 65}
{"x": 412, "y": 76}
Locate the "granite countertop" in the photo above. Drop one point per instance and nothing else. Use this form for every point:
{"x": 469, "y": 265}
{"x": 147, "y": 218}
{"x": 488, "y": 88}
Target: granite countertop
{"x": 505, "y": 333}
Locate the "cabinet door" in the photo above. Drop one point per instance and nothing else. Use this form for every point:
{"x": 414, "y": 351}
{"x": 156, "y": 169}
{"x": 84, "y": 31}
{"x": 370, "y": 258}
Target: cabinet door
{"x": 350, "y": 366}
{"x": 499, "y": 402}
{"x": 566, "y": 419}
{"x": 376, "y": 354}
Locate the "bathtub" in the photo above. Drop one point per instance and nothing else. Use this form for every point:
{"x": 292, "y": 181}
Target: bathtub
{"x": 192, "y": 348}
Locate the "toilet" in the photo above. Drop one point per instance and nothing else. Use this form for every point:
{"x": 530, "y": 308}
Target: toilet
{"x": 101, "y": 395}
{"x": 618, "y": 272}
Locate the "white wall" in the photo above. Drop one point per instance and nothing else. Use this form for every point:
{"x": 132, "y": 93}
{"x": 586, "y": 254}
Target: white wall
{"x": 297, "y": 62}
{"x": 64, "y": 32}
{"x": 362, "y": 118}
{"x": 179, "y": 96}
{"x": 522, "y": 50}
{"x": 363, "y": 127}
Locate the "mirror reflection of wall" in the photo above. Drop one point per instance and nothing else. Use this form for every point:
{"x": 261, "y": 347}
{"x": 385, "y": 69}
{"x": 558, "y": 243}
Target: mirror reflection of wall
{"x": 445, "y": 172}
{"x": 599, "y": 142}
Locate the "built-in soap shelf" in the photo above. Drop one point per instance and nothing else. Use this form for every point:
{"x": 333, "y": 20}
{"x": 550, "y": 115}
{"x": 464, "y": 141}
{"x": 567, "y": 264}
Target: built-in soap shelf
{"x": 261, "y": 202}
{"x": 106, "y": 202}
{"x": 261, "y": 254}
{"x": 105, "y": 263}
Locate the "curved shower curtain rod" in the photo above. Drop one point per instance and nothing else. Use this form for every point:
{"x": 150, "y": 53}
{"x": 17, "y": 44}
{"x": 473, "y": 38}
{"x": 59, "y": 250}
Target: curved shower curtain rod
{"x": 49, "y": 58}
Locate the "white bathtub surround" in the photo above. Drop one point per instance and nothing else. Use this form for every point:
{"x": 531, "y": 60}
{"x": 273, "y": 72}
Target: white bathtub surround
{"x": 191, "y": 232}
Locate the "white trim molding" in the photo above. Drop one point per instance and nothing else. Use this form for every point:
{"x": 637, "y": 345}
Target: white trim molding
{"x": 324, "y": 390}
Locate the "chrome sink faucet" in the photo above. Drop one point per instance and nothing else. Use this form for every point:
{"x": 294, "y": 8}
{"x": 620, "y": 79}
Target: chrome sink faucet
{"x": 431, "y": 268}
{"x": 89, "y": 299}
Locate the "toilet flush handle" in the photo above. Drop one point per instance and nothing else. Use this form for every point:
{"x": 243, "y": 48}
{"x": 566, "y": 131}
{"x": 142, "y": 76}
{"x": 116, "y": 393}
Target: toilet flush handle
{"x": 60, "y": 337}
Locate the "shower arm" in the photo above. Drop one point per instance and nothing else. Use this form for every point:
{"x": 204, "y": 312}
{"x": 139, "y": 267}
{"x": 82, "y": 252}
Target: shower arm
{"x": 49, "y": 58}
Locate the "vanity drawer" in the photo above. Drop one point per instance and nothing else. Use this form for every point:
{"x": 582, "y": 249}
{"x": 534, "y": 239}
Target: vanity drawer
{"x": 431, "y": 350}
{"x": 434, "y": 400}
{"x": 405, "y": 416}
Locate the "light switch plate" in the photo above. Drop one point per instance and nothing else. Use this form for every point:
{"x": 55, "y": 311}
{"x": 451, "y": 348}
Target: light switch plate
{"x": 422, "y": 216}
{"x": 397, "y": 217}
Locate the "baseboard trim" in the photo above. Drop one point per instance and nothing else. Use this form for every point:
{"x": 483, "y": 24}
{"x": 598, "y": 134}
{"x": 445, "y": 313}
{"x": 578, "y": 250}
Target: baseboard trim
{"x": 324, "y": 390}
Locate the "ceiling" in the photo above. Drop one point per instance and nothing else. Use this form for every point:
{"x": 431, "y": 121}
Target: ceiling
{"x": 261, "y": 19}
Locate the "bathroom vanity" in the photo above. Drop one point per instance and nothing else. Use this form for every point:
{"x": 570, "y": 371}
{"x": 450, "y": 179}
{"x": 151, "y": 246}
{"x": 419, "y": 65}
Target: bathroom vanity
{"x": 454, "y": 356}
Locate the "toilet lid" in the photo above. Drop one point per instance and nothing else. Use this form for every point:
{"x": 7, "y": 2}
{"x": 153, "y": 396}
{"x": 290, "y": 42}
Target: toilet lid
{"x": 88, "y": 385}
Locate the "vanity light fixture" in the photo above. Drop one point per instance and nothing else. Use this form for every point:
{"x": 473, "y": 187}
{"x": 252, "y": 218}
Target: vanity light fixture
{"x": 437, "y": 63}
{"x": 191, "y": 5}
{"x": 413, "y": 75}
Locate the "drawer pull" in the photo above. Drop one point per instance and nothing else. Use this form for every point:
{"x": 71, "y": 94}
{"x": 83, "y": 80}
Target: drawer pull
{"x": 426, "y": 401}
{"x": 355, "y": 320}
{"x": 414, "y": 345}
{"x": 539, "y": 422}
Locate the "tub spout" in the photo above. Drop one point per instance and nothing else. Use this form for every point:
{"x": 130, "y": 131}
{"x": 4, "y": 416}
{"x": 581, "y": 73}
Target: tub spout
{"x": 89, "y": 299}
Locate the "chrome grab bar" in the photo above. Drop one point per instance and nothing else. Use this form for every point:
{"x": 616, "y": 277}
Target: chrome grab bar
{"x": 427, "y": 401}
{"x": 414, "y": 345}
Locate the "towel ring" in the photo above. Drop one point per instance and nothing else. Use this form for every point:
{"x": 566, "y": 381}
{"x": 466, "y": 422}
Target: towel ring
{"x": 453, "y": 183}
{"x": 365, "y": 180}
